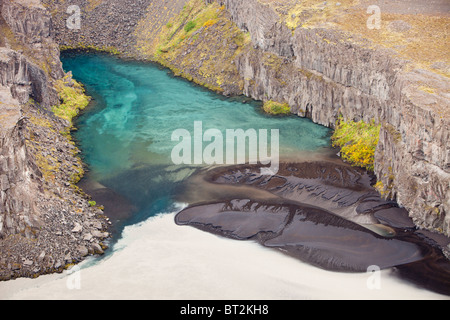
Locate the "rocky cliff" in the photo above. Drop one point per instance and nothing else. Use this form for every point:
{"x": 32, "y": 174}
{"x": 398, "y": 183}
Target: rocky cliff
{"x": 323, "y": 73}
{"x": 46, "y": 223}
{"x": 317, "y": 57}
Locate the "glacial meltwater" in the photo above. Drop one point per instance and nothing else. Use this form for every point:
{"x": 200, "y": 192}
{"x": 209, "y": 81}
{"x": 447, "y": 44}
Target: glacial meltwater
{"x": 126, "y": 134}
{"x": 125, "y": 138}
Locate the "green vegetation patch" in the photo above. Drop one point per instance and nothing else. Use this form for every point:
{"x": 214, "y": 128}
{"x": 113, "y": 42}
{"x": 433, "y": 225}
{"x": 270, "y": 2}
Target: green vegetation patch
{"x": 73, "y": 99}
{"x": 358, "y": 142}
{"x": 189, "y": 26}
{"x": 200, "y": 44}
{"x": 195, "y": 15}
{"x": 276, "y": 108}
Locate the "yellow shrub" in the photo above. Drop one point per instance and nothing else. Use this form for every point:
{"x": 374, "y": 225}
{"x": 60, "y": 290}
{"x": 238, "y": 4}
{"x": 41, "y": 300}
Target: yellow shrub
{"x": 210, "y": 23}
{"x": 358, "y": 142}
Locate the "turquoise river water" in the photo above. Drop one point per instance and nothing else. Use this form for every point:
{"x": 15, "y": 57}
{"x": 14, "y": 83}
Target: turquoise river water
{"x": 125, "y": 135}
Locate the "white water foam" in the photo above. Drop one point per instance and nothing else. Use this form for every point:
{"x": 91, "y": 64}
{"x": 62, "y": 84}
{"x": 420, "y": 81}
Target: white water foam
{"x": 159, "y": 260}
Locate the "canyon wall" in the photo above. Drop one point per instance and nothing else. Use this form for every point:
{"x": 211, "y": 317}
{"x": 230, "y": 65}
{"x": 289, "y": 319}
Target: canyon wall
{"x": 109, "y": 25}
{"x": 320, "y": 72}
{"x": 322, "y": 75}
{"x": 46, "y": 223}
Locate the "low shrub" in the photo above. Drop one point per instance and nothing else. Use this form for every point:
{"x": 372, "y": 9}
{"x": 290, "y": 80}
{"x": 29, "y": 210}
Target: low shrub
{"x": 358, "y": 142}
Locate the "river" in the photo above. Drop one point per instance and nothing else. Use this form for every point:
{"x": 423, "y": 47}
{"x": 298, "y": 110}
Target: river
{"x": 125, "y": 136}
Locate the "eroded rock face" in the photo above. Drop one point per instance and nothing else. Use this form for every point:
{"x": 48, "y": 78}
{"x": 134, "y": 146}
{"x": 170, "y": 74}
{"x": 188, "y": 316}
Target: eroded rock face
{"x": 25, "y": 79}
{"x": 31, "y": 60}
{"x": 103, "y": 24}
{"x": 44, "y": 220}
{"x": 39, "y": 205}
{"x": 319, "y": 72}
{"x": 323, "y": 76}
{"x": 29, "y": 20}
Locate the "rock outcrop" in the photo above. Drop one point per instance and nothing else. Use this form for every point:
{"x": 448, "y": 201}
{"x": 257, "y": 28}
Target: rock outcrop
{"x": 107, "y": 25}
{"x": 46, "y": 223}
{"x": 323, "y": 75}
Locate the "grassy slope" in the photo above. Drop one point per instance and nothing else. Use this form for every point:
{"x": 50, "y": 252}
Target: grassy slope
{"x": 424, "y": 43}
{"x": 188, "y": 45}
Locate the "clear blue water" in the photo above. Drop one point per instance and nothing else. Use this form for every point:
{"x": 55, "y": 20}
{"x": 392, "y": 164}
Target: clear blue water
{"x": 125, "y": 134}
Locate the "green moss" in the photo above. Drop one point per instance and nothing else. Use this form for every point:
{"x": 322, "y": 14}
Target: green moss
{"x": 195, "y": 15}
{"x": 381, "y": 189}
{"x": 41, "y": 122}
{"x": 386, "y": 190}
{"x": 358, "y": 142}
{"x": 273, "y": 61}
{"x": 92, "y": 203}
{"x": 189, "y": 26}
{"x": 76, "y": 177}
{"x": 193, "y": 52}
{"x": 73, "y": 99}
{"x": 48, "y": 165}
{"x": 276, "y": 108}
{"x": 242, "y": 39}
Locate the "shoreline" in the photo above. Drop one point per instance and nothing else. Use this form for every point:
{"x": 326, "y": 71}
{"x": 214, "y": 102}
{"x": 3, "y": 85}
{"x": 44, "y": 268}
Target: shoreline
{"x": 143, "y": 61}
{"x": 72, "y": 227}
{"x": 252, "y": 273}
{"x": 377, "y": 222}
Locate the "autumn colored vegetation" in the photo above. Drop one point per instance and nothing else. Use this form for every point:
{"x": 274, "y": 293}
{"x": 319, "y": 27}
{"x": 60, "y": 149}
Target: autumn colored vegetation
{"x": 358, "y": 142}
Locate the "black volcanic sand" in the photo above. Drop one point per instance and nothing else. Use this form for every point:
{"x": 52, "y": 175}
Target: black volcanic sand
{"x": 316, "y": 235}
{"x": 311, "y": 234}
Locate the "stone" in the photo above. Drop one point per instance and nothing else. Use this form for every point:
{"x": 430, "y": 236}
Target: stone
{"x": 83, "y": 251}
{"x": 87, "y": 237}
{"x": 97, "y": 225}
{"x": 97, "y": 248}
{"x": 68, "y": 258}
{"x": 41, "y": 257}
{"x": 28, "y": 263}
{"x": 77, "y": 228}
{"x": 4, "y": 183}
